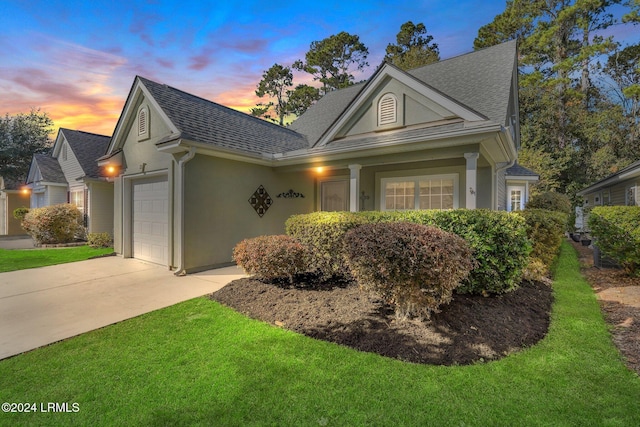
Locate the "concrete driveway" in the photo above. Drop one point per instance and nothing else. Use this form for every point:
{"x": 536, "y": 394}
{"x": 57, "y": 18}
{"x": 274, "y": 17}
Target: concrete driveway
{"x": 43, "y": 305}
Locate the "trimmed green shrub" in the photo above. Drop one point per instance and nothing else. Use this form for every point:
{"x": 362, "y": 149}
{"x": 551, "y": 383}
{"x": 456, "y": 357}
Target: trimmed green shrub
{"x": 271, "y": 257}
{"x": 411, "y": 266}
{"x": 323, "y": 233}
{"x": 498, "y": 240}
{"x": 54, "y": 224}
{"x": 99, "y": 240}
{"x": 19, "y": 213}
{"x": 550, "y": 201}
{"x": 616, "y": 230}
{"x": 545, "y": 229}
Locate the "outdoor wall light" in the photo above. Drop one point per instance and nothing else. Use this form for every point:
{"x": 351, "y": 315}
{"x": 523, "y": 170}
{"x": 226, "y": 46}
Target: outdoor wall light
{"x": 319, "y": 169}
{"x": 25, "y": 190}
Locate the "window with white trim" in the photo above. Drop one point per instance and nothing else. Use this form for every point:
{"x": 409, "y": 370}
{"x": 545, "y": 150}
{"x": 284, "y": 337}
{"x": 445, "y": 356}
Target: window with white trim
{"x": 76, "y": 197}
{"x": 143, "y": 123}
{"x": 387, "y": 110}
{"x": 420, "y": 192}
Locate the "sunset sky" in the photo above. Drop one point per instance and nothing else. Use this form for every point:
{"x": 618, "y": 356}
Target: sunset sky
{"x": 76, "y": 60}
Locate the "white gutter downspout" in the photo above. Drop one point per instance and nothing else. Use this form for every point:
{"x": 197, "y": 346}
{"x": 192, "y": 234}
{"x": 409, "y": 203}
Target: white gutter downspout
{"x": 179, "y": 212}
{"x": 503, "y": 168}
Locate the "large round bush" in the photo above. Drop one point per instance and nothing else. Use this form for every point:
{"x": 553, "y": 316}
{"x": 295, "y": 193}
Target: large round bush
{"x": 411, "y": 266}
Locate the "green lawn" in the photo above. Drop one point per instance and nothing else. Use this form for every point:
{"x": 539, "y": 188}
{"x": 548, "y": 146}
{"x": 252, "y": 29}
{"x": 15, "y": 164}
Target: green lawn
{"x": 199, "y": 363}
{"x": 20, "y": 259}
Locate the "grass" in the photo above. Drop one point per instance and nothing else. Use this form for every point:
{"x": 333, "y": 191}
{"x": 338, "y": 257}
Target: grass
{"x": 200, "y": 363}
{"x": 20, "y": 259}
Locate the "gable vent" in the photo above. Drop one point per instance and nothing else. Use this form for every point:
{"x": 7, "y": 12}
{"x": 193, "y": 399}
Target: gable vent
{"x": 387, "y": 110}
{"x": 142, "y": 122}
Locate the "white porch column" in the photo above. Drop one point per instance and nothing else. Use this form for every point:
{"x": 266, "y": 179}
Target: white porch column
{"x": 354, "y": 187}
{"x": 472, "y": 179}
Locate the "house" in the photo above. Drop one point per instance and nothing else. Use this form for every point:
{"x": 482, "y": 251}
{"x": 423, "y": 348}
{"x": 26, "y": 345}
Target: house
{"x": 12, "y": 196}
{"x": 70, "y": 174}
{"x": 193, "y": 178}
{"x": 619, "y": 189}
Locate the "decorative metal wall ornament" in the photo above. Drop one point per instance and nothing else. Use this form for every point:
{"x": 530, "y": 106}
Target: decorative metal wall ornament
{"x": 291, "y": 195}
{"x": 260, "y": 201}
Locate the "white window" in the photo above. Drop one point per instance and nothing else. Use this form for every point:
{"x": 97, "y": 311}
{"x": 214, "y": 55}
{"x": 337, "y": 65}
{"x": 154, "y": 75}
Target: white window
{"x": 597, "y": 199}
{"x": 143, "y": 123}
{"x": 516, "y": 198}
{"x": 334, "y": 195}
{"x": 631, "y": 198}
{"x": 387, "y": 110}
{"x": 420, "y": 192}
{"x": 76, "y": 197}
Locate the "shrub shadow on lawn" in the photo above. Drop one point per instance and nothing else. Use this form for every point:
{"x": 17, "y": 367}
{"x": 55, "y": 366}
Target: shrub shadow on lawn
{"x": 468, "y": 330}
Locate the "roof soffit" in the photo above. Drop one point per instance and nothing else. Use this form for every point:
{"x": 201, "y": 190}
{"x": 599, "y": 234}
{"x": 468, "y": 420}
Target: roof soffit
{"x": 382, "y": 77}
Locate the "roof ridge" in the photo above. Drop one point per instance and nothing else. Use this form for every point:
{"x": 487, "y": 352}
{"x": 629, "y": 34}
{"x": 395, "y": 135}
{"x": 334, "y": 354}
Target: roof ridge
{"x": 85, "y": 132}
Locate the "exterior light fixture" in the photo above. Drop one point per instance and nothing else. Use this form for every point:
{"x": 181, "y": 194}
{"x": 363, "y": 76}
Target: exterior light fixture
{"x": 319, "y": 169}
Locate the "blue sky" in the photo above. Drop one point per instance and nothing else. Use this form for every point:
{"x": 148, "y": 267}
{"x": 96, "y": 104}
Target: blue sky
{"x": 77, "y": 59}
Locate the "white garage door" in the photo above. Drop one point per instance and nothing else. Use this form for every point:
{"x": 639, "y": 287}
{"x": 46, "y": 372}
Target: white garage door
{"x": 150, "y": 219}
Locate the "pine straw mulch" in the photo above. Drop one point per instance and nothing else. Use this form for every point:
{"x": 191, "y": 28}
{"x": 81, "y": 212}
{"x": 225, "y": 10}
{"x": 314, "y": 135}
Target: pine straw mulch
{"x": 619, "y": 299}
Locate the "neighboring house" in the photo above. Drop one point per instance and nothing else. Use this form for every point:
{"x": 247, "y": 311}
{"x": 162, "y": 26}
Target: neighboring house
{"x": 12, "y": 196}
{"x": 619, "y": 189}
{"x": 193, "y": 178}
{"x": 70, "y": 174}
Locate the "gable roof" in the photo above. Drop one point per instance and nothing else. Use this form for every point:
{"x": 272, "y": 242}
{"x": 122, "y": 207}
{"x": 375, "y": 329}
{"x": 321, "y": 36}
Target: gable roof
{"x": 49, "y": 168}
{"x": 203, "y": 121}
{"x": 87, "y": 147}
{"x": 631, "y": 171}
{"x": 10, "y": 184}
{"x": 481, "y": 80}
{"x": 519, "y": 170}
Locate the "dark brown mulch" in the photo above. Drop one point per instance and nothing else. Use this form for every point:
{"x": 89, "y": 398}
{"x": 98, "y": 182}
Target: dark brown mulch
{"x": 622, "y": 317}
{"x": 468, "y": 330}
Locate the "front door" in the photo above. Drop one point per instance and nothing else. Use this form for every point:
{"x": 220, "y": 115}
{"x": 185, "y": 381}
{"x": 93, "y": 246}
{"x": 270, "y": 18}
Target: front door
{"x": 515, "y": 198}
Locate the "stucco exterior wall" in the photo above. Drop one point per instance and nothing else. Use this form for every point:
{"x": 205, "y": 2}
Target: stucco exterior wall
{"x": 217, "y": 210}
{"x": 14, "y": 200}
{"x": 101, "y": 200}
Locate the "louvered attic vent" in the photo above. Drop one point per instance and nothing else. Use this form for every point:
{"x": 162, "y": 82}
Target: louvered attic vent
{"x": 387, "y": 110}
{"x": 142, "y": 122}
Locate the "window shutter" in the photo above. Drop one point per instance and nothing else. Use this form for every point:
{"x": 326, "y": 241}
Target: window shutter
{"x": 387, "y": 110}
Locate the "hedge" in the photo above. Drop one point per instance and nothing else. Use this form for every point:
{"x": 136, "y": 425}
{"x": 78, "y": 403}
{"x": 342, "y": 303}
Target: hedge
{"x": 54, "y": 224}
{"x": 323, "y": 233}
{"x": 616, "y": 230}
{"x": 545, "y": 229}
{"x": 497, "y": 239}
{"x": 271, "y": 257}
{"x": 413, "y": 267}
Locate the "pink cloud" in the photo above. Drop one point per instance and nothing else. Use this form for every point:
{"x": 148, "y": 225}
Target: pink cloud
{"x": 165, "y": 63}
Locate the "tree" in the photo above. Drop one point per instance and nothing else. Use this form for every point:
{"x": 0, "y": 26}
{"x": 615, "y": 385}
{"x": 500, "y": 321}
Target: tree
{"x": 565, "y": 119}
{"x": 634, "y": 14}
{"x": 22, "y": 136}
{"x": 301, "y": 98}
{"x": 624, "y": 69}
{"x": 274, "y": 83}
{"x": 412, "y": 49}
{"x": 329, "y": 60}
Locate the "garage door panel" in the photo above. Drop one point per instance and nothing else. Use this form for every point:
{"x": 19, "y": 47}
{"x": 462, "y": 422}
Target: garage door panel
{"x": 150, "y": 220}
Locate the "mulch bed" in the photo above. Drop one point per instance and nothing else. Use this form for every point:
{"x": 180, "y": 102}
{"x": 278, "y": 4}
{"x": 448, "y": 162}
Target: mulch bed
{"x": 470, "y": 329}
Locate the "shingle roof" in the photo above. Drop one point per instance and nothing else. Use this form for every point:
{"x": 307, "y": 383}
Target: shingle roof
{"x": 87, "y": 147}
{"x": 518, "y": 170}
{"x": 49, "y": 168}
{"x": 204, "y": 121}
{"x": 11, "y": 184}
{"x": 480, "y": 80}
